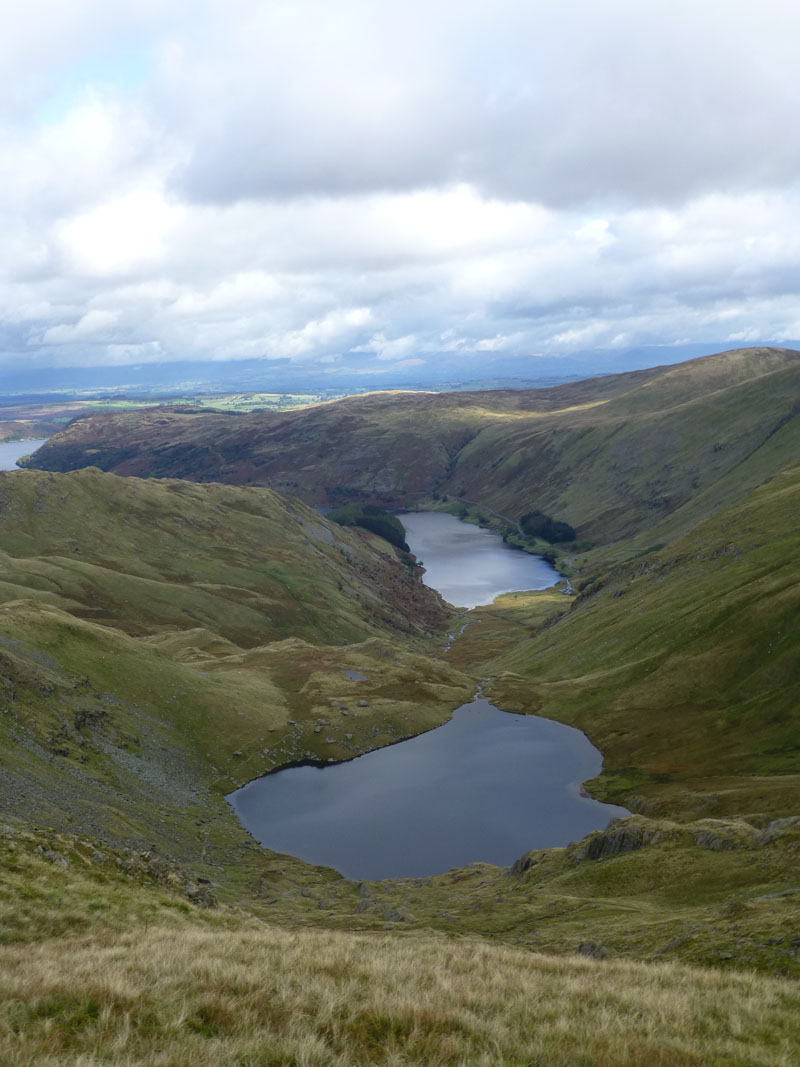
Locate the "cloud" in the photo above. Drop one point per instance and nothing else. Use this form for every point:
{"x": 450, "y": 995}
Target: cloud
{"x": 552, "y": 104}
{"x": 123, "y": 235}
{"x": 91, "y": 326}
{"x": 377, "y": 183}
{"x": 394, "y": 350}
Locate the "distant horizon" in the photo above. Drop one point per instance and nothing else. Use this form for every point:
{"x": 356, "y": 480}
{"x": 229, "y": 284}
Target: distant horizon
{"x": 186, "y": 377}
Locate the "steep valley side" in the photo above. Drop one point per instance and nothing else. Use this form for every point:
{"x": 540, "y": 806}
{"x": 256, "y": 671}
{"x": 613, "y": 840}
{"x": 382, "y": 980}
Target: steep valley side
{"x": 614, "y": 456}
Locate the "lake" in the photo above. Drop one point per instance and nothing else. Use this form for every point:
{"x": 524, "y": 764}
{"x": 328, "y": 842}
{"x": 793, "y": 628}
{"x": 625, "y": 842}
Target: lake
{"x": 10, "y": 452}
{"x": 486, "y": 786}
{"x": 469, "y": 565}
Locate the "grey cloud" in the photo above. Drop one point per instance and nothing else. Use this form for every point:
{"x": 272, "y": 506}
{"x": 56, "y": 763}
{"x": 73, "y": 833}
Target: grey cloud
{"x": 370, "y": 183}
{"x": 619, "y": 102}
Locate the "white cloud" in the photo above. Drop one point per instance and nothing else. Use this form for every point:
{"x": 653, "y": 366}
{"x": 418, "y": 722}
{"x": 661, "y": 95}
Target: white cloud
{"x": 302, "y": 181}
{"x": 91, "y": 326}
{"x": 125, "y": 234}
{"x": 342, "y": 328}
{"x": 394, "y": 349}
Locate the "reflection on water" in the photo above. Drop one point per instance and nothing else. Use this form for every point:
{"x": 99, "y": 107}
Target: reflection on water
{"x": 486, "y": 786}
{"x": 469, "y": 565}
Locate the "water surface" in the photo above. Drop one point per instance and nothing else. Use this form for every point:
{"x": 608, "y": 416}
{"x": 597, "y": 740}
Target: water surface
{"x": 469, "y": 565}
{"x": 10, "y": 452}
{"x": 487, "y": 786}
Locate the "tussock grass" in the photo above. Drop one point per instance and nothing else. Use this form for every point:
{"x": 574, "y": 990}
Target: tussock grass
{"x": 260, "y": 996}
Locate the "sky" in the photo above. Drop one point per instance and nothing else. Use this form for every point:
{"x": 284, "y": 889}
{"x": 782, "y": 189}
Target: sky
{"x": 384, "y": 185}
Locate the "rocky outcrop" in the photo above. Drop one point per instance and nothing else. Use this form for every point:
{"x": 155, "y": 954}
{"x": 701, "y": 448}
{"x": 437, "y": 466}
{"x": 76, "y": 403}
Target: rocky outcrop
{"x": 720, "y": 835}
{"x": 592, "y": 950}
{"x": 777, "y": 828}
{"x": 622, "y": 835}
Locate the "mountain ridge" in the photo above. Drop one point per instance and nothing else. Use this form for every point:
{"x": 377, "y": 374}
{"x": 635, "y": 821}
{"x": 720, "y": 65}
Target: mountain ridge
{"x": 588, "y": 452}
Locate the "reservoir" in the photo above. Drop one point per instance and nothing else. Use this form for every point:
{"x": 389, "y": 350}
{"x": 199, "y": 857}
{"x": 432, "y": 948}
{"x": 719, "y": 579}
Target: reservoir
{"x": 487, "y": 786}
{"x": 469, "y": 565}
{"x": 10, "y": 452}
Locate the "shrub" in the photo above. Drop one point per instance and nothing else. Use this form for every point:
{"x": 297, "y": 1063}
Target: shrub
{"x": 537, "y": 524}
{"x": 370, "y": 517}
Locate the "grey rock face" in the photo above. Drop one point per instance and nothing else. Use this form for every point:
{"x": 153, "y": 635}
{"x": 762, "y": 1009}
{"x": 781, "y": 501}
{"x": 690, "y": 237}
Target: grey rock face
{"x": 202, "y": 897}
{"x": 777, "y": 828}
{"x": 614, "y": 840}
{"x": 54, "y": 857}
{"x": 521, "y": 865}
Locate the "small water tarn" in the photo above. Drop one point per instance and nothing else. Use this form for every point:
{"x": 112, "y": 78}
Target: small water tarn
{"x": 486, "y": 786}
{"x": 469, "y": 565}
{"x": 11, "y": 451}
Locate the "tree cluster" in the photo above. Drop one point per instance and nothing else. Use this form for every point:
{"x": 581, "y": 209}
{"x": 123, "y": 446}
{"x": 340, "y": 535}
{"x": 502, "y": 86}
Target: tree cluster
{"x": 537, "y": 524}
{"x": 371, "y": 517}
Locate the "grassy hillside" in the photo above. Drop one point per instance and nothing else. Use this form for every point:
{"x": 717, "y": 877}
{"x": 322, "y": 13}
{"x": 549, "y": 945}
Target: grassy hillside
{"x": 146, "y": 664}
{"x": 612, "y": 456}
{"x": 113, "y": 958}
{"x": 681, "y": 662}
{"x": 163, "y": 641}
{"x": 146, "y": 556}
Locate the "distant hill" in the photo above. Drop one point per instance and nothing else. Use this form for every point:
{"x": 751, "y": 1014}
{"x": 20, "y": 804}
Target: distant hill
{"x": 612, "y": 456}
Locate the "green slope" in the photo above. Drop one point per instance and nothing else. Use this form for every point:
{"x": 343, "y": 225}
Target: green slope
{"x": 155, "y": 555}
{"x": 146, "y": 662}
{"x": 682, "y": 663}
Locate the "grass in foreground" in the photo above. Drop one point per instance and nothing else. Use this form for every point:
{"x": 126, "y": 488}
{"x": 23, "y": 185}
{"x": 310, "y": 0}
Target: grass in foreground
{"x": 260, "y": 995}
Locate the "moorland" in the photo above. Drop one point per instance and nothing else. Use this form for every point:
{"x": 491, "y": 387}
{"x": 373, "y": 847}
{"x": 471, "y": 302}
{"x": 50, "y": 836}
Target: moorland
{"x": 176, "y": 619}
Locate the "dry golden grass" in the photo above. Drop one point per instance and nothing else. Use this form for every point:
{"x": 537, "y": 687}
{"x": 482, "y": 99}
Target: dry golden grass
{"x": 261, "y": 996}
